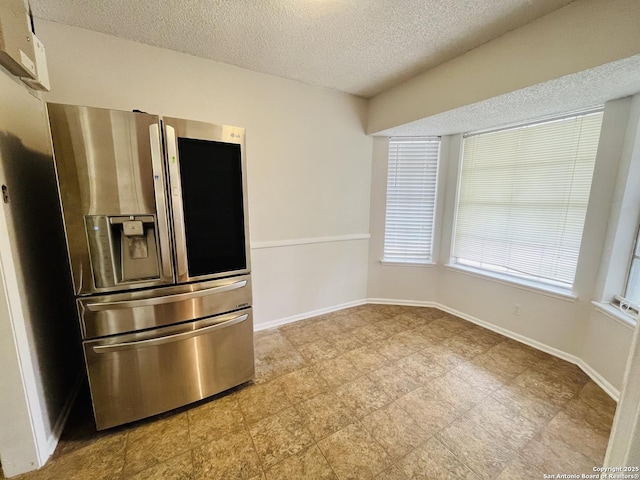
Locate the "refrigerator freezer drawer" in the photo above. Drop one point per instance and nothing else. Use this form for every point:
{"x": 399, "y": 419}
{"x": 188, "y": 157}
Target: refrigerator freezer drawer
{"x": 132, "y": 311}
{"x": 142, "y": 374}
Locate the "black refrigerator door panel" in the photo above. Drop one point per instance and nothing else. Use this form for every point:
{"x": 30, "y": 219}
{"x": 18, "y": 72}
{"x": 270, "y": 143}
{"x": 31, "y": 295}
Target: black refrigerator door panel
{"x": 211, "y": 181}
{"x": 208, "y": 199}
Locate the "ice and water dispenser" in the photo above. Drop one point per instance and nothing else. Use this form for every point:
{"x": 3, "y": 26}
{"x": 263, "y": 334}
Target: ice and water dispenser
{"x": 123, "y": 248}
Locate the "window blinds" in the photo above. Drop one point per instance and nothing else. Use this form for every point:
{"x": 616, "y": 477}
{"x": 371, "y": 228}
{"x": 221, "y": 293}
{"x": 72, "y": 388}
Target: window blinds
{"x": 411, "y": 199}
{"x": 523, "y": 198}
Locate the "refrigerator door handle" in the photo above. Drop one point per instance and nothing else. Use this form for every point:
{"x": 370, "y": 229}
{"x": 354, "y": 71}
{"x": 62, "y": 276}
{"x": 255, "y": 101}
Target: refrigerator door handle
{"x": 176, "y": 337}
{"x": 146, "y": 302}
{"x": 161, "y": 205}
{"x": 175, "y": 193}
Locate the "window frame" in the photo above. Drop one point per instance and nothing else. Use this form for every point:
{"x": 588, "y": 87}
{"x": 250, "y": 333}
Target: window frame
{"x": 623, "y": 302}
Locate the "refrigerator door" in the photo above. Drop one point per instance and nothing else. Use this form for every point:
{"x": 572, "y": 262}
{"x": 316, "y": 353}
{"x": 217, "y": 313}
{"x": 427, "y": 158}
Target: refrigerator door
{"x": 208, "y": 199}
{"x": 130, "y": 311}
{"x": 137, "y": 375}
{"x": 111, "y": 178}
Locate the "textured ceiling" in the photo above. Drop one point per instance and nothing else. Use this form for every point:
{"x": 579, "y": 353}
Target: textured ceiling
{"x": 358, "y": 46}
{"x": 581, "y": 90}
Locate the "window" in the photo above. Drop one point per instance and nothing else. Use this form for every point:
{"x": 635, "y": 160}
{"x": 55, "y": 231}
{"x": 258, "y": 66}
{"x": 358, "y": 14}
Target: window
{"x": 523, "y": 197}
{"x": 630, "y": 303}
{"x": 411, "y": 199}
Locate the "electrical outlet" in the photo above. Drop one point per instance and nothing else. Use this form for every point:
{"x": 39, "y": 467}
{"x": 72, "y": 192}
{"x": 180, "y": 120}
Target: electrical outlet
{"x": 516, "y": 309}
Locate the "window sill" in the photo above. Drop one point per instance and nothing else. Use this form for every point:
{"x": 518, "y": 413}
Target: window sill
{"x": 390, "y": 263}
{"x": 548, "y": 290}
{"x": 615, "y": 313}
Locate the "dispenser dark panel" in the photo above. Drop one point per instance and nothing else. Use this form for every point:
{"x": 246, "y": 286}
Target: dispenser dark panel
{"x": 211, "y": 181}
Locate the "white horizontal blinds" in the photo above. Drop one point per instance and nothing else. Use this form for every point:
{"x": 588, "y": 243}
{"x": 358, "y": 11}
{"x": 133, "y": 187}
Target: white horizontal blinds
{"x": 523, "y": 198}
{"x": 411, "y": 199}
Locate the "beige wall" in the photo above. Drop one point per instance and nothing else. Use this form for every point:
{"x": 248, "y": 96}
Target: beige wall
{"x": 582, "y": 35}
{"x": 308, "y": 158}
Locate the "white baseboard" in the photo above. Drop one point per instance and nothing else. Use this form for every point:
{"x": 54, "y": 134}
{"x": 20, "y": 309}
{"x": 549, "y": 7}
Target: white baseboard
{"x": 61, "y": 421}
{"x": 301, "y": 316}
{"x": 404, "y": 303}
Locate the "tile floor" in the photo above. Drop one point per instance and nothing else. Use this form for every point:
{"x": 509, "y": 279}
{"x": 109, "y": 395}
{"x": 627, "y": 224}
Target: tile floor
{"x": 372, "y": 392}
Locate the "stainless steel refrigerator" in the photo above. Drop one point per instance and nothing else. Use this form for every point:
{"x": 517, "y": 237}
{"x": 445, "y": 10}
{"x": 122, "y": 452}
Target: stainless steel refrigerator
{"x": 155, "y": 215}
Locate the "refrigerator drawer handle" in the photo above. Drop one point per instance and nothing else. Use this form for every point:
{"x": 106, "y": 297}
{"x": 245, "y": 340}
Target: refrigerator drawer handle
{"x": 146, "y": 302}
{"x": 176, "y": 337}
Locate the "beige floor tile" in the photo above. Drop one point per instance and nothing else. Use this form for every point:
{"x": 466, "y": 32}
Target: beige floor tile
{"x": 480, "y": 377}
{"x": 519, "y": 353}
{"x": 433, "y": 461}
{"x": 232, "y": 456}
{"x": 429, "y": 334}
{"x": 308, "y": 464}
{"x": 370, "y": 334}
{"x": 395, "y": 430}
{"x": 259, "y": 401}
{"x": 555, "y": 390}
{"x": 177, "y": 468}
{"x": 350, "y": 322}
{"x": 428, "y": 410}
{"x": 102, "y": 460}
{"x": 279, "y": 436}
{"x": 421, "y": 368}
{"x": 519, "y": 469}
{"x": 483, "y": 453}
{"x": 272, "y": 368}
{"x": 344, "y": 342}
{"x": 505, "y": 424}
{"x": 392, "y": 348}
{"x": 270, "y": 347}
{"x": 337, "y": 371}
{"x": 596, "y": 398}
{"x": 597, "y": 419}
{"x": 496, "y": 361}
{"x": 362, "y": 396}
{"x": 559, "y": 368}
{"x": 394, "y": 381}
{"x": 214, "y": 419}
{"x": 365, "y": 359}
{"x": 354, "y": 454}
{"x": 392, "y": 473}
{"x": 155, "y": 441}
{"x": 483, "y": 337}
{"x": 456, "y": 391}
{"x": 449, "y": 325}
{"x": 327, "y": 328}
{"x": 300, "y": 336}
{"x": 302, "y": 384}
{"x": 408, "y": 319}
{"x": 392, "y": 327}
{"x": 524, "y": 403}
{"x": 464, "y": 346}
{"x": 551, "y": 455}
{"x": 325, "y": 414}
{"x": 414, "y": 339}
{"x": 580, "y": 435}
{"x": 318, "y": 351}
{"x": 446, "y": 357}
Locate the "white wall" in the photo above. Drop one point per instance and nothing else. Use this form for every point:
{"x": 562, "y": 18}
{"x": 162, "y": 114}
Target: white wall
{"x": 414, "y": 283}
{"x": 568, "y": 327}
{"x": 308, "y": 158}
